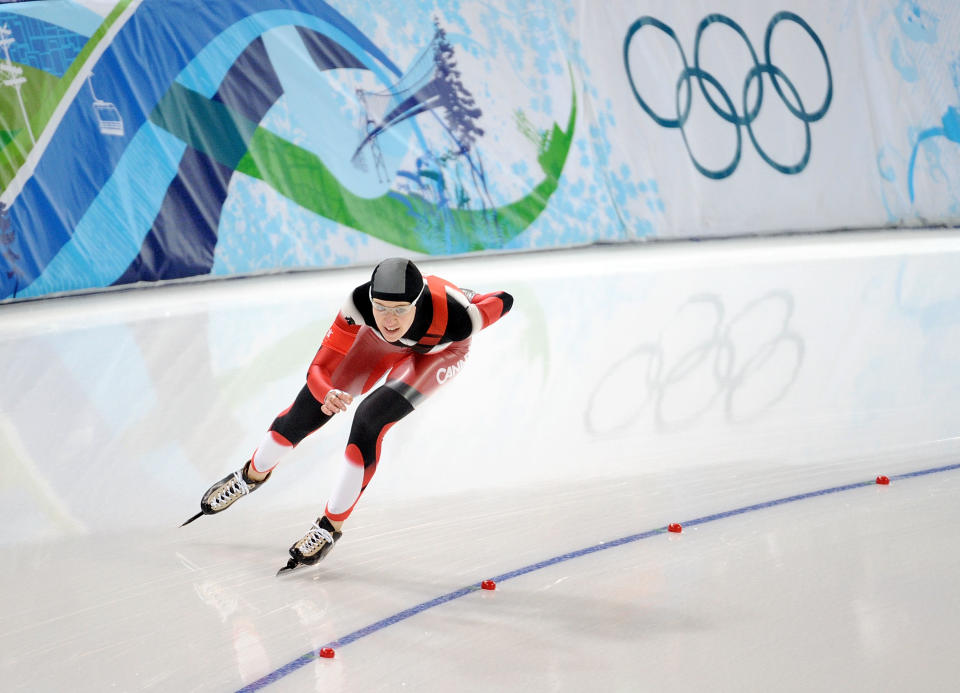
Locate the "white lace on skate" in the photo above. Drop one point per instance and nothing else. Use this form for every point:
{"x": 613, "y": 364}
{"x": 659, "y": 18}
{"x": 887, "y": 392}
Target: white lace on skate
{"x": 314, "y": 540}
{"x": 230, "y": 492}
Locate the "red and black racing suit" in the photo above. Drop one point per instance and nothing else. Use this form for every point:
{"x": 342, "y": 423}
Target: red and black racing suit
{"x": 354, "y": 356}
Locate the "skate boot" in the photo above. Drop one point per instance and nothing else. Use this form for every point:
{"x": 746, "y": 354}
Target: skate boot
{"x": 227, "y": 491}
{"x": 315, "y": 544}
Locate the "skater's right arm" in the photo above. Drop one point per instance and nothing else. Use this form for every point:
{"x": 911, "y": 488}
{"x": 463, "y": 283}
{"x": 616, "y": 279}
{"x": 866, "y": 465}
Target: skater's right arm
{"x": 336, "y": 344}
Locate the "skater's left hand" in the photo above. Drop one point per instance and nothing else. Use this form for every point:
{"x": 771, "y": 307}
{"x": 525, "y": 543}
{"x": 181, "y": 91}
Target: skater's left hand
{"x": 336, "y": 401}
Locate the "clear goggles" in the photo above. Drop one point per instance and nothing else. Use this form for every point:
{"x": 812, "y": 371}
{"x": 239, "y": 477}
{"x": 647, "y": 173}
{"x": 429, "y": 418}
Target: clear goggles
{"x": 396, "y": 310}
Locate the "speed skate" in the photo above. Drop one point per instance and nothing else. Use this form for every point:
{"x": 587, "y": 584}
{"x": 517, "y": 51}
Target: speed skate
{"x": 313, "y": 546}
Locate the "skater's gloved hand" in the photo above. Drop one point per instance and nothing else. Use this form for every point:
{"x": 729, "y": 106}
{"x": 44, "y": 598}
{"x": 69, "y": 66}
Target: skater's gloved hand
{"x": 336, "y": 401}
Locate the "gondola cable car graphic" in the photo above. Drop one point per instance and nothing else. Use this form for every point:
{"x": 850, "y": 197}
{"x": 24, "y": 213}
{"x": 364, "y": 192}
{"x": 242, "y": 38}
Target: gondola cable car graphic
{"x": 109, "y": 119}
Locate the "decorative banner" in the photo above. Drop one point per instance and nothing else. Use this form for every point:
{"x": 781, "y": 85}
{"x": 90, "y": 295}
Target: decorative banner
{"x": 157, "y": 139}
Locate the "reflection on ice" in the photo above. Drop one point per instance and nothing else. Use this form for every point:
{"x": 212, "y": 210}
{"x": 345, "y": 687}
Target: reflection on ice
{"x": 629, "y": 388}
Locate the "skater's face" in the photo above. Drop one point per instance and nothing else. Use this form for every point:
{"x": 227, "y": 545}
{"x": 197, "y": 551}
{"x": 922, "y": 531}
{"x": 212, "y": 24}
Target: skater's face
{"x": 393, "y": 317}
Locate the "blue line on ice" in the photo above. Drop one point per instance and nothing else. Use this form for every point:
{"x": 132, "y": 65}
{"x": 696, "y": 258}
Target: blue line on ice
{"x": 419, "y": 608}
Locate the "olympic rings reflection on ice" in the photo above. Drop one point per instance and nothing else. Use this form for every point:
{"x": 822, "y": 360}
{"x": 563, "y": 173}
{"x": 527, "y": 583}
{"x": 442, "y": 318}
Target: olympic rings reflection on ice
{"x": 727, "y": 110}
{"x": 748, "y": 362}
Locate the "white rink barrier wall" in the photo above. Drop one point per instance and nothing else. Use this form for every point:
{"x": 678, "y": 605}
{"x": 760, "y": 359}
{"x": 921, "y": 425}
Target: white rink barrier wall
{"x": 160, "y": 139}
{"x": 118, "y": 410}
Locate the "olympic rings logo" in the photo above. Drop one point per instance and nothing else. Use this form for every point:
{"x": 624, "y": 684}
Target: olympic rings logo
{"x": 727, "y": 110}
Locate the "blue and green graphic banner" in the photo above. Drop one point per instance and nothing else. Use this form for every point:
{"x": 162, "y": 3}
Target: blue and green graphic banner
{"x": 143, "y": 140}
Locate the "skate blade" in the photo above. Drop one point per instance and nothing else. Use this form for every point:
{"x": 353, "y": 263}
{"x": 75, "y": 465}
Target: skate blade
{"x": 288, "y": 568}
{"x": 192, "y": 519}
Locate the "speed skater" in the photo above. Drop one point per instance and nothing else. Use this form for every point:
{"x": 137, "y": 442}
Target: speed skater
{"x": 415, "y": 329}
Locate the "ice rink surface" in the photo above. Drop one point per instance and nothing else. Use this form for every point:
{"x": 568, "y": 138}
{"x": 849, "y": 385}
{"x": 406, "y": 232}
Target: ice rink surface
{"x": 751, "y": 391}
